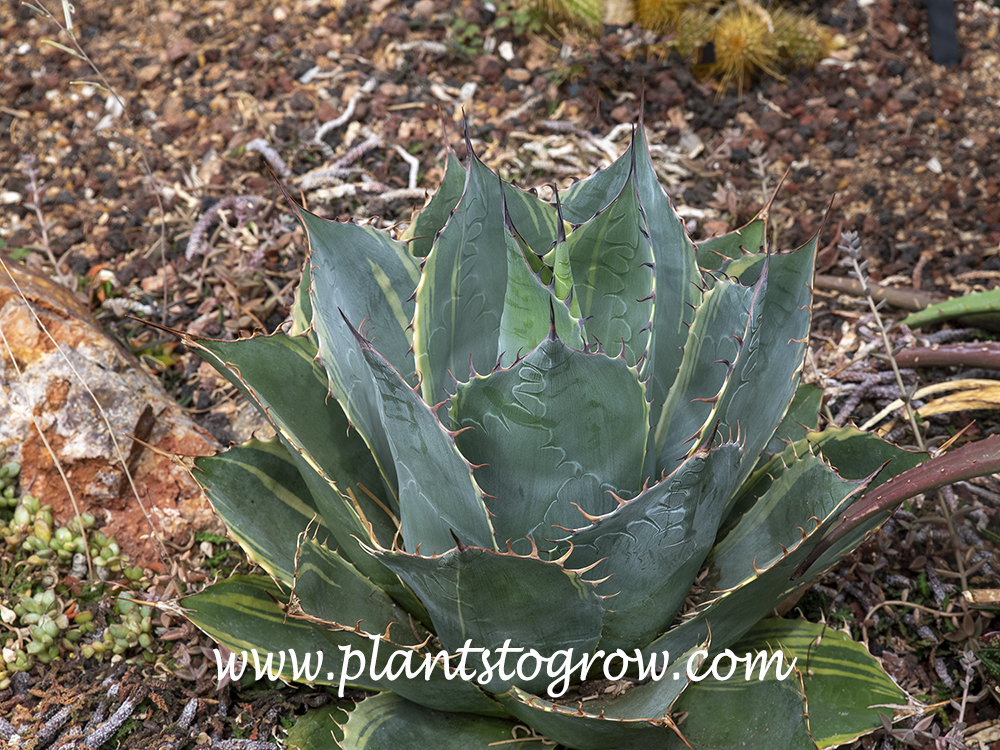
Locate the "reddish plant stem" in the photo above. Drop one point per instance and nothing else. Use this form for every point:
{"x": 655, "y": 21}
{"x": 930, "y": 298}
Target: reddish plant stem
{"x": 971, "y": 460}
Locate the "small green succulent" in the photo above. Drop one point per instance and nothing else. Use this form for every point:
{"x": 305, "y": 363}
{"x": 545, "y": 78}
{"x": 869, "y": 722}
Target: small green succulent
{"x": 556, "y": 427}
{"x": 42, "y": 622}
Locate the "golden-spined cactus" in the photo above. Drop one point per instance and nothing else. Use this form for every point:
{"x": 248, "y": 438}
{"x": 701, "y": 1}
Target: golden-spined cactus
{"x": 744, "y": 45}
{"x": 801, "y": 40}
{"x": 747, "y": 38}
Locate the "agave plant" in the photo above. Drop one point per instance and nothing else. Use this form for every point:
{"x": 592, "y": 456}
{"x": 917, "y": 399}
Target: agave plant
{"x": 557, "y": 427}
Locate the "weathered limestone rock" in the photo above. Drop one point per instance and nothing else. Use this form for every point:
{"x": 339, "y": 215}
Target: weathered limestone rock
{"x": 50, "y": 387}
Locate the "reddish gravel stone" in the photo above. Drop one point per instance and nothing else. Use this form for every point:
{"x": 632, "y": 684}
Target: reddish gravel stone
{"x": 490, "y": 68}
{"x": 395, "y": 26}
{"x": 179, "y": 49}
{"x": 771, "y": 122}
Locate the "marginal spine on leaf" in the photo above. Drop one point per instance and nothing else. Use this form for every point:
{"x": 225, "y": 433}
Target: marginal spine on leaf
{"x": 560, "y": 224}
{"x": 458, "y": 542}
{"x": 361, "y": 339}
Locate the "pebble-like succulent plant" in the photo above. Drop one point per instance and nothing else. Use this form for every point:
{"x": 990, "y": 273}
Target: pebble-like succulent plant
{"x": 560, "y": 432}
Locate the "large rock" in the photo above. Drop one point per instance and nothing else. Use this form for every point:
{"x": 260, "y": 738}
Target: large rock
{"x": 58, "y": 347}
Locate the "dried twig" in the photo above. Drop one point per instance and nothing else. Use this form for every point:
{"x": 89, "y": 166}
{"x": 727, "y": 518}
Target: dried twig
{"x": 348, "y": 113}
{"x": 196, "y": 242}
{"x": 262, "y": 147}
{"x": 904, "y": 299}
{"x": 31, "y": 171}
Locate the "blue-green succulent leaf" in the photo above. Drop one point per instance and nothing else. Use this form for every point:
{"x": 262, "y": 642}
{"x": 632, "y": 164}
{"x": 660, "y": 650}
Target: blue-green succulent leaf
{"x": 647, "y": 553}
{"x": 640, "y": 717}
{"x": 758, "y": 576}
{"x": 716, "y": 253}
{"x": 801, "y": 418}
{"x": 260, "y": 495}
{"x": 332, "y": 592}
{"x": 854, "y": 455}
{"x": 611, "y": 262}
{"x": 371, "y": 278}
{"x": 528, "y": 307}
{"x": 280, "y": 375}
{"x": 713, "y": 344}
{"x": 438, "y": 498}
{"x": 314, "y": 728}
{"x": 805, "y": 492}
{"x": 677, "y": 280}
{"x": 738, "y": 712}
{"x": 302, "y": 312}
{"x": 332, "y": 595}
{"x": 242, "y": 614}
{"x": 584, "y": 199}
{"x": 501, "y": 599}
{"x": 537, "y": 476}
{"x": 845, "y": 688}
{"x": 771, "y": 352}
{"x": 535, "y": 219}
{"x": 385, "y": 721}
{"x": 460, "y": 299}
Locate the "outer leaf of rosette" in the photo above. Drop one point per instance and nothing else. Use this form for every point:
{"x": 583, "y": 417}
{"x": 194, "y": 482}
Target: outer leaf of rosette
{"x": 302, "y": 313}
{"x": 647, "y": 553}
{"x": 279, "y": 376}
{"x": 640, "y": 718}
{"x": 845, "y": 687}
{"x": 439, "y": 500}
{"x": 850, "y": 456}
{"x": 853, "y": 454}
{"x": 330, "y": 594}
{"x": 460, "y": 299}
{"x": 807, "y": 491}
{"x": 258, "y": 492}
{"x": 425, "y": 226}
{"x": 312, "y": 730}
{"x": 241, "y": 613}
{"x": 770, "y": 357}
{"x": 364, "y": 274}
{"x": 801, "y": 418}
{"x": 750, "y": 570}
{"x": 389, "y": 721}
{"x": 247, "y": 613}
{"x": 495, "y": 599}
{"x": 556, "y": 435}
{"x": 736, "y": 712}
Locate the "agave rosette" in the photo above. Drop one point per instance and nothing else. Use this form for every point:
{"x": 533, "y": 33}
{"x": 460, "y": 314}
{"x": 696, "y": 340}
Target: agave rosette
{"x": 553, "y": 426}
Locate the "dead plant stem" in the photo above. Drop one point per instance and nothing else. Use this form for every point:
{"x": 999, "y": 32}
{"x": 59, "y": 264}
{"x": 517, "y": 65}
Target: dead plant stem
{"x": 907, "y": 406}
